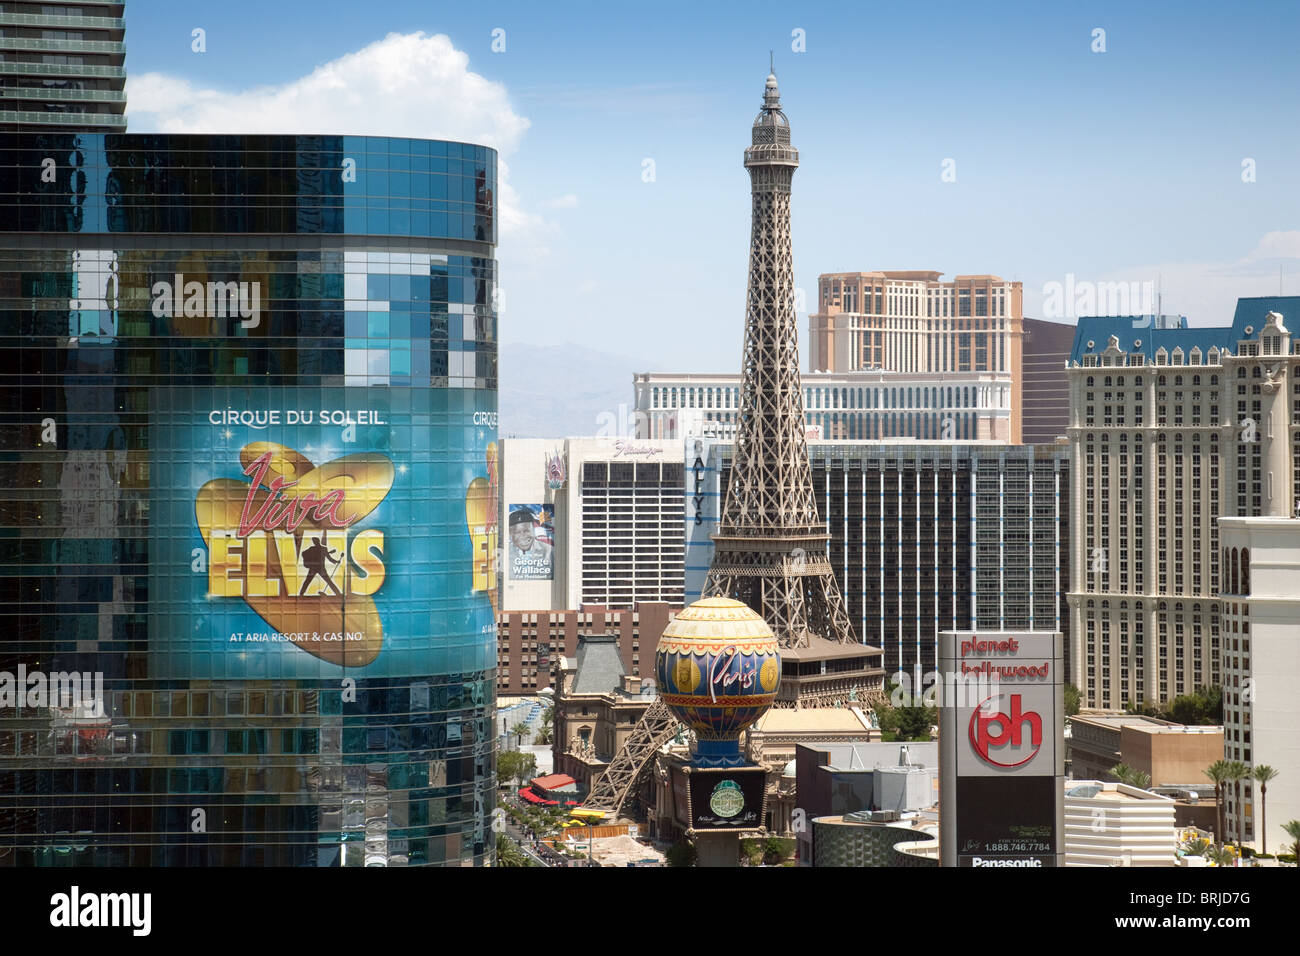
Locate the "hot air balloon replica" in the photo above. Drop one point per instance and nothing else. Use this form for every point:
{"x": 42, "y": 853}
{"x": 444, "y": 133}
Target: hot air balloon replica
{"x": 719, "y": 667}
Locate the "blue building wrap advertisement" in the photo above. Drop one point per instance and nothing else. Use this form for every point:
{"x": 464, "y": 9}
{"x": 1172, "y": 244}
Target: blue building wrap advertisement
{"x": 322, "y": 532}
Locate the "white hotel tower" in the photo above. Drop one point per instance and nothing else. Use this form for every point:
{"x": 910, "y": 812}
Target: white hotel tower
{"x": 1260, "y": 630}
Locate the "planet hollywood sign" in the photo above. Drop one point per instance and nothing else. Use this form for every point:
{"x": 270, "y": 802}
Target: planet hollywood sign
{"x": 1002, "y": 756}
{"x": 995, "y": 669}
{"x": 1015, "y": 730}
{"x": 1005, "y": 730}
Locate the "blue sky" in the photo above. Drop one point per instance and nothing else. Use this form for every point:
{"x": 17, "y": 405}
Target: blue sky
{"x": 1122, "y": 164}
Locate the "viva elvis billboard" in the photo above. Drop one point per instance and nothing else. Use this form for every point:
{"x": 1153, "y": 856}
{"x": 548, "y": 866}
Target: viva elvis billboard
{"x": 299, "y": 532}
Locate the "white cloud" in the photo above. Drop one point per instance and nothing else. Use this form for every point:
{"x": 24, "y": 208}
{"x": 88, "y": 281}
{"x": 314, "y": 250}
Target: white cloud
{"x": 1278, "y": 244}
{"x": 403, "y": 85}
{"x": 411, "y": 85}
{"x": 567, "y": 201}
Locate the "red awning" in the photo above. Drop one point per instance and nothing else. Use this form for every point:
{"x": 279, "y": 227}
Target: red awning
{"x": 555, "y": 781}
{"x": 531, "y": 797}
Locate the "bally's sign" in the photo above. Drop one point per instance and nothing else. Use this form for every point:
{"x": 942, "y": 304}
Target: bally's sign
{"x": 698, "y": 472}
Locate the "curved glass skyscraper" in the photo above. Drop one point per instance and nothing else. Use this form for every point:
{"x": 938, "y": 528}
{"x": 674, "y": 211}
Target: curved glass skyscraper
{"x": 247, "y": 500}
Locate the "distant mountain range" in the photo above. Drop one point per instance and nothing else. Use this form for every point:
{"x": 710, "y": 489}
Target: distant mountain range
{"x": 562, "y": 391}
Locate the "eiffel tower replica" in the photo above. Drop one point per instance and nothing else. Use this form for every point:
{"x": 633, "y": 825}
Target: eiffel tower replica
{"x": 770, "y": 546}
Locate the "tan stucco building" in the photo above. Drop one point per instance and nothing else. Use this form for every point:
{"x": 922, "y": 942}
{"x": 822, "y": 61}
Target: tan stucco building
{"x": 1175, "y": 755}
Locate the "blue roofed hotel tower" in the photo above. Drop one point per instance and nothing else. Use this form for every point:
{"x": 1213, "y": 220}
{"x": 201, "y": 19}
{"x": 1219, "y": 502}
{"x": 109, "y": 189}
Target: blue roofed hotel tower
{"x": 1170, "y": 428}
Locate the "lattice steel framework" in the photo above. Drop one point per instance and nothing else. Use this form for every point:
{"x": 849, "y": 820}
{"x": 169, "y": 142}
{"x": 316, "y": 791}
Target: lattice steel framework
{"x": 770, "y": 546}
{"x": 619, "y": 781}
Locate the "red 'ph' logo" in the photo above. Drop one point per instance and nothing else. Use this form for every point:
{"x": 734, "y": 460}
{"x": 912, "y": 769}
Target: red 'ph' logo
{"x": 983, "y": 736}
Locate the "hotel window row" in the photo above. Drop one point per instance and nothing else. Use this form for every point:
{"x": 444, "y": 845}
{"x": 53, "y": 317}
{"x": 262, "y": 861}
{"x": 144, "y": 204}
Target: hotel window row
{"x": 816, "y": 397}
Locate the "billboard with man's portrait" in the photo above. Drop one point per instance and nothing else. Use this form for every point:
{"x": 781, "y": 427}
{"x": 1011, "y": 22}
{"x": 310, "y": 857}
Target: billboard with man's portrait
{"x": 531, "y": 549}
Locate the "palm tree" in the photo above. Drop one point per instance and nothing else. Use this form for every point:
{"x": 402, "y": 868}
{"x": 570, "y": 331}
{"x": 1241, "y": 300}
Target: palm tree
{"x": 519, "y": 730}
{"x": 1219, "y": 773}
{"x": 1292, "y": 828}
{"x": 544, "y": 735}
{"x": 1264, "y": 773}
{"x": 1131, "y": 776}
{"x": 1237, "y": 772}
{"x": 1220, "y": 855}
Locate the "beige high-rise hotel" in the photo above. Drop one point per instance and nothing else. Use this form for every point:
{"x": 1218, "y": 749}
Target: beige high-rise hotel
{"x": 910, "y": 321}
